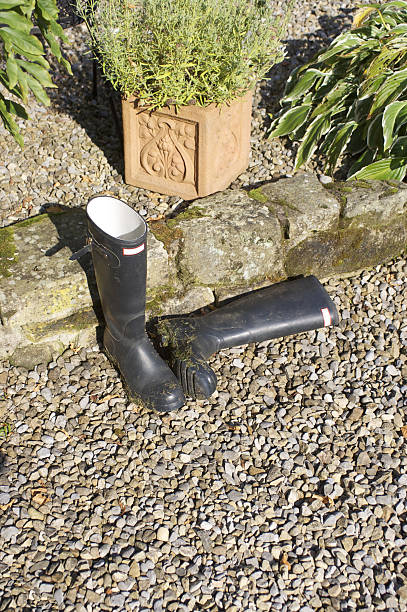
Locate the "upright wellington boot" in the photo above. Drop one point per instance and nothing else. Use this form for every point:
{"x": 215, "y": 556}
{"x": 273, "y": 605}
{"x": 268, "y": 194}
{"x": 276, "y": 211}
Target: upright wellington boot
{"x": 118, "y": 241}
{"x": 276, "y": 311}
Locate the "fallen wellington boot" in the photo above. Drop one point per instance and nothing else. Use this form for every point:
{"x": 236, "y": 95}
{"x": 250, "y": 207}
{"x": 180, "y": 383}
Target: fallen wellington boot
{"x": 118, "y": 242}
{"x": 280, "y": 310}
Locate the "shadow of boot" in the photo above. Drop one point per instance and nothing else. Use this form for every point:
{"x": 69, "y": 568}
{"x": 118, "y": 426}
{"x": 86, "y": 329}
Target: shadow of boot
{"x": 71, "y": 226}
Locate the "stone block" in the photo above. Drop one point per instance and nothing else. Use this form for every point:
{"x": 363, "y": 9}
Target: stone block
{"x": 302, "y": 205}
{"x": 378, "y": 199}
{"x": 194, "y": 299}
{"x": 48, "y": 302}
{"x": 158, "y": 268}
{"x": 43, "y": 295}
{"x": 372, "y": 229}
{"x": 229, "y": 240}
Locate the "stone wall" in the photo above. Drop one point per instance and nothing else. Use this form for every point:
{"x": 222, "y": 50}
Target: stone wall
{"x": 220, "y": 246}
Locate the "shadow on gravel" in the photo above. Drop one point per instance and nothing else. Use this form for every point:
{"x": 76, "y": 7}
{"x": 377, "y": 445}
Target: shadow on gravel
{"x": 3, "y": 458}
{"x": 71, "y": 226}
{"x": 96, "y": 110}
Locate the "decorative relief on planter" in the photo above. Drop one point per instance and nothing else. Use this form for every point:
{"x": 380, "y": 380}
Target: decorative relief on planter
{"x": 167, "y": 148}
{"x": 189, "y": 151}
{"x": 227, "y": 144}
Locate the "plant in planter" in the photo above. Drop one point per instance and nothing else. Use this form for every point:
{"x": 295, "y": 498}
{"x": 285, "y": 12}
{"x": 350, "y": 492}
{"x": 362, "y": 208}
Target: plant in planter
{"x": 185, "y": 69}
{"x": 23, "y": 66}
{"x": 351, "y": 99}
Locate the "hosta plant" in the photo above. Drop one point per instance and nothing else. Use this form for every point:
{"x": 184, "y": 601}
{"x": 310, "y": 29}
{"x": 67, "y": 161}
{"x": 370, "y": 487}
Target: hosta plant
{"x": 351, "y": 99}
{"x": 23, "y": 65}
{"x": 183, "y": 51}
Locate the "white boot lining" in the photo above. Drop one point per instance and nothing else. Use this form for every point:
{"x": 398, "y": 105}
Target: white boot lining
{"x": 116, "y": 218}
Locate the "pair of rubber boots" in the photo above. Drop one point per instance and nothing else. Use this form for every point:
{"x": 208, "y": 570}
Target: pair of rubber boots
{"x": 118, "y": 243}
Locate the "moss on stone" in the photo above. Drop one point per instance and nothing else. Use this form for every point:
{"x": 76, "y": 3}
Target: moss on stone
{"x": 62, "y": 299}
{"x": 156, "y": 298}
{"x": 257, "y": 194}
{"x": 360, "y": 243}
{"x": 193, "y": 212}
{"x": 7, "y": 251}
{"x": 31, "y": 355}
{"x": 390, "y": 191}
{"x": 338, "y": 186}
{"x": 7, "y": 242}
{"x": 32, "y": 221}
{"x": 288, "y": 205}
{"x": 363, "y": 184}
{"x": 40, "y": 218}
{"x": 83, "y": 319}
{"x": 339, "y": 190}
{"x": 165, "y": 234}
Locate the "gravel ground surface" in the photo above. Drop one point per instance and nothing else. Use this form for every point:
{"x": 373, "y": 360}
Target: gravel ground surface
{"x": 285, "y": 491}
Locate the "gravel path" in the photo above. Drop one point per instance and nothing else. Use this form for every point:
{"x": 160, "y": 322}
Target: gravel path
{"x": 285, "y": 491}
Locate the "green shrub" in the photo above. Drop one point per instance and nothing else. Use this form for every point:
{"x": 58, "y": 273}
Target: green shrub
{"x": 352, "y": 98}
{"x": 183, "y": 51}
{"x": 23, "y": 66}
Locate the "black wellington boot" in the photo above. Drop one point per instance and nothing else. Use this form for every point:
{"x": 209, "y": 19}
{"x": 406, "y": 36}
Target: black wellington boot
{"x": 118, "y": 239}
{"x": 276, "y": 311}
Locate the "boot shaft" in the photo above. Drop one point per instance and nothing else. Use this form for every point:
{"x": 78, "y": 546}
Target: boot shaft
{"x": 118, "y": 238}
{"x": 280, "y": 310}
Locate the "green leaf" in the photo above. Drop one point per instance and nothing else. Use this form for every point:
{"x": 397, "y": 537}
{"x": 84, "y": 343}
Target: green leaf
{"x": 357, "y": 143}
{"x": 41, "y": 74}
{"x": 399, "y": 29}
{"x": 290, "y": 120}
{"x": 16, "y": 21}
{"x": 17, "y": 109}
{"x": 9, "y": 4}
{"x": 38, "y": 91}
{"x": 343, "y": 42}
{"x": 304, "y": 84}
{"x": 360, "y": 109}
{"x": 49, "y": 7}
{"x": 293, "y": 77}
{"x": 12, "y": 71}
{"x": 22, "y": 82}
{"x": 392, "y": 111}
{"x": 49, "y": 26}
{"x": 384, "y": 170}
{"x": 58, "y": 31}
{"x": 5, "y": 82}
{"x": 382, "y": 62}
{"x": 399, "y": 148}
{"x": 398, "y": 3}
{"x": 316, "y": 129}
{"x": 65, "y": 63}
{"x": 339, "y": 142}
{"x": 23, "y": 43}
{"x": 375, "y": 134}
{"x": 38, "y": 59}
{"x": 372, "y": 85}
{"x": 391, "y": 89}
{"x": 365, "y": 159}
{"x": 54, "y": 45}
{"x": 337, "y": 95}
{"x": 9, "y": 122}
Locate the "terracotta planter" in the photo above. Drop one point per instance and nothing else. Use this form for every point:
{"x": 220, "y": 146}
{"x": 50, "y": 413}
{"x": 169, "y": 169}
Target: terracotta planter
{"x": 190, "y": 152}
